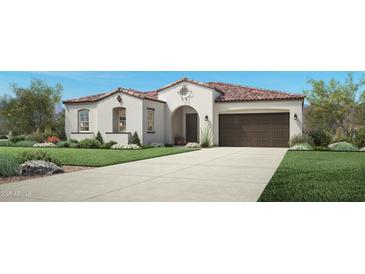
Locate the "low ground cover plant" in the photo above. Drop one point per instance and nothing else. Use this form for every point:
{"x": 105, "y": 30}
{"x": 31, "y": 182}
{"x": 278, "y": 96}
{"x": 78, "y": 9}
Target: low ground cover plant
{"x": 129, "y": 146}
{"x": 90, "y": 143}
{"x": 192, "y": 145}
{"x": 38, "y": 155}
{"x": 9, "y": 166}
{"x": 301, "y": 139}
{"x": 301, "y": 147}
{"x": 6, "y": 143}
{"x": 25, "y": 143}
{"x": 49, "y": 145}
{"x": 157, "y": 145}
{"x": 108, "y": 145}
{"x": 342, "y": 146}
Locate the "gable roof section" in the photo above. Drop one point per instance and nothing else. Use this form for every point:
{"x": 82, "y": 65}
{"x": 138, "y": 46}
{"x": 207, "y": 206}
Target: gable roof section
{"x": 98, "y": 97}
{"x": 228, "y": 93}
{"x": 238, "y": 93}
{"x": 189, "y": 81}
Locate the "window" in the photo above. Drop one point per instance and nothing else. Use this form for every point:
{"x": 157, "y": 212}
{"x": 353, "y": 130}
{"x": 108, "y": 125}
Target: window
{"x": 84, "y": 122}
{"x": 122, "y": 120}
{"x": 150, "y": 120}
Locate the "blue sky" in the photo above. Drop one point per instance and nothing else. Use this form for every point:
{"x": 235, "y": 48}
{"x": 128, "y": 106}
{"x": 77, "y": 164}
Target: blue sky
{"x": 82, "y": 83}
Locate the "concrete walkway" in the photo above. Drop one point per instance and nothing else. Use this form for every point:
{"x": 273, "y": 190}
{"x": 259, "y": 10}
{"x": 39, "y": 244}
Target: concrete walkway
{"x": 217, "y": 174}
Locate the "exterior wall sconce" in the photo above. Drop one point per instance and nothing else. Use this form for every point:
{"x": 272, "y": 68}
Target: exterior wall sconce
{"x": 119, "y": 98}
{"x": 206, "y": 118}
{"x": 295, "y": 117}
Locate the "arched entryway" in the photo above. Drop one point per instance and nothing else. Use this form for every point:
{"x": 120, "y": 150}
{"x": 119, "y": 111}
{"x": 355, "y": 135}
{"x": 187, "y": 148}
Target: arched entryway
{"x": 185, "y": 125}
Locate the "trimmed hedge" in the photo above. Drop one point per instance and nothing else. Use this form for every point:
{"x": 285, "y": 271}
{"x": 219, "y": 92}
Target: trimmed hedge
{"x": 90, "y": 143}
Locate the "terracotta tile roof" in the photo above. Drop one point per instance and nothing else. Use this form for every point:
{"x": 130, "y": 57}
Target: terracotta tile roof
{"x": 229, "y": 93}
{"x": 98, "y": 97}
{"x": 236, "y": 93}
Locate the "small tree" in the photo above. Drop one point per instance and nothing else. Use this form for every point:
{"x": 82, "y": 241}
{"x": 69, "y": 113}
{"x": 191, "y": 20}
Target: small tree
{"x": 99, "y": 138}
{"x": 334, "y": 105}
{"x": 135, "y": 139}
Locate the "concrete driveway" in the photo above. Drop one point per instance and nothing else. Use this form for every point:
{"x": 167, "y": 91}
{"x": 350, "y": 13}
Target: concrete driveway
{"x": 222, "y": 174}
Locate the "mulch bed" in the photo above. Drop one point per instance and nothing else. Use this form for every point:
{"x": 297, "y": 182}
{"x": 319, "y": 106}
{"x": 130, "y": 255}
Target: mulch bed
{"x": 67, "y": 169}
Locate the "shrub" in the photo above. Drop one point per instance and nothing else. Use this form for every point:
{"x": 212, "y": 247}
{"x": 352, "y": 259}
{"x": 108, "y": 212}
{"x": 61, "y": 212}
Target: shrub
{"x": 360, "y": 138}
{"x": 320, "y": 137}
{"x": 135, "y": 139}
{"x": 6, "y": 143}
{"x": 38, "y": 155}
{"x": 24, "y": 144}
{"x": 129, "y": 146}
{"x": 206, "y": 137}
{"x": 168, "y": 145}
{"x": 53, "y": 139}
{"x": 192, "y": 145}
{"x": 362, "y": 149}
{"x": 63, "y": 144}
{"x": 73, "y": 141}
{"x": 3, "y": 137}
{"x": 50, "y": 145}
{"x": 108, "y": 144}
{"x": 301, "y": 139}
{"x": 342, "y": 146}
{"x": 16, "y": 139}
{"x": 8, "y": 166}
{"x": 36, "y": 137}
{"x": 90, "y": 143}
{"x": 99, "y": 138}
{"x": 301, "y": 147}
{"x": 74, "y": 145}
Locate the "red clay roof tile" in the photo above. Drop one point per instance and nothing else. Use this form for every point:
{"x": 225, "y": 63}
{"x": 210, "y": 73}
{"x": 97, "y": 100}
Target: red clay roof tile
{"x": 228, "y": 93}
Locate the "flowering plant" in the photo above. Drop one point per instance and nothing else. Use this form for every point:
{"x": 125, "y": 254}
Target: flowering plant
{"x": 44, "y": 145}
{"x": 53, "y": 139}
{"x": 122, "y": 146}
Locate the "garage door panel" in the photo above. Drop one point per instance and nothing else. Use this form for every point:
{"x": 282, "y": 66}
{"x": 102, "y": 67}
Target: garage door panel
{"x": 259, "y": 129}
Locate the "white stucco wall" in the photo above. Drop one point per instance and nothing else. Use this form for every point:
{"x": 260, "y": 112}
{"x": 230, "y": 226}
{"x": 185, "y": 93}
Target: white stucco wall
{"x": 292, "y": 106}
{"x": 202, "y": 100}
{"x": 101, "y": 118}
{"x": 133, "y": 107}
{"x": 71, "y": 120}
{"x": 159, "y": 131}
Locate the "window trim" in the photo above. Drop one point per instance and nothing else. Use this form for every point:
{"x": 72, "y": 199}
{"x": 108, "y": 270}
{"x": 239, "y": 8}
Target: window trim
{"x": 153, "y": 120}
{"x": 79, "y": 122}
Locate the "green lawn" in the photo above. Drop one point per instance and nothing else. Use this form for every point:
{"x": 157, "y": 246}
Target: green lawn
{"x": 318, "y": 176}
{"x": 97, "y": 157}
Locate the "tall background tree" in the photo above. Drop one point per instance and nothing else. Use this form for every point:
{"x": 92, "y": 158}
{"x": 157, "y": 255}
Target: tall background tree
{"x": 31, "y": 109}
{"x": 335, "y": 105}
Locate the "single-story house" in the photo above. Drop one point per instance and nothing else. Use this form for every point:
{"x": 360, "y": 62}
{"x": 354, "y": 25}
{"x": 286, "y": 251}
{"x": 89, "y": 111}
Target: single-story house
{"x": 178, "y": 113}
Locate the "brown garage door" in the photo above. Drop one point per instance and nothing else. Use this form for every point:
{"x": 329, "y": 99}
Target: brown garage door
{"x": 254, "y": 130}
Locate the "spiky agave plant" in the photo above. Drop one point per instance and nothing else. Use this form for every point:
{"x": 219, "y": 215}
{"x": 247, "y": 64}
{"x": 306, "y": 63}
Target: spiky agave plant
{"x": 206, "y": 137}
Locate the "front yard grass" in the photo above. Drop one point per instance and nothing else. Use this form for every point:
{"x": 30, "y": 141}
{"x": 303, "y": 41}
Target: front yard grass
{"x": 318, "y": 176}
{"x": 97, "y": 157}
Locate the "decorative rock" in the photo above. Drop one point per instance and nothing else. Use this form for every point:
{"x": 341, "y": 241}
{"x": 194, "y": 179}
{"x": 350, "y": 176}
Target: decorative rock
{"x": 36, "y": 167}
